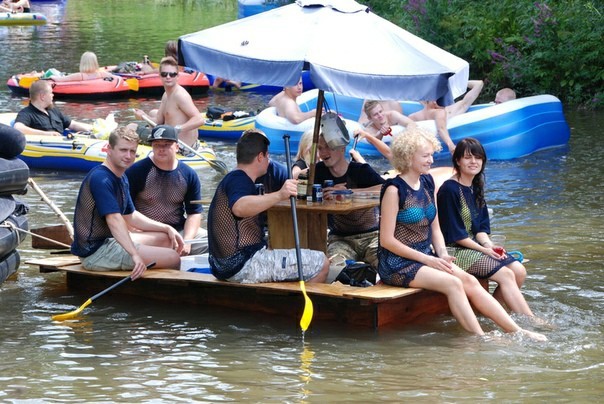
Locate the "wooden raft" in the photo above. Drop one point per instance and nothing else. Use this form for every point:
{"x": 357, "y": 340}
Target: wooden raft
{"x": 372, "y": 307}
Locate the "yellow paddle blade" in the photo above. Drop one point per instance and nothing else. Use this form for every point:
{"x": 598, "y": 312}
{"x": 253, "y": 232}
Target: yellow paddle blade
{"x": 132, "y": 84}
{"x": 71, "y": 314}
{"x": 308, "y": 309}
{"x": 26, "y": 81}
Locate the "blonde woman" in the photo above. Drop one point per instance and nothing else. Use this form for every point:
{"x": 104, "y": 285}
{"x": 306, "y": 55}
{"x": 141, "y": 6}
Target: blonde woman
{"x": 89, "y": 70}
{"x": 412, "y": 250}
{"x": 302, "y": 159}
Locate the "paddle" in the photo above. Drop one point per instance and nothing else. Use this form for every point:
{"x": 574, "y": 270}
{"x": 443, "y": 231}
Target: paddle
{"x": 308, "y": 308}
{"x": 132, "y": 84}
{"x": 26, "y": 81}
{"x": 52, "y": 206}
{"x": 72, "y": 314}
{"x": 217, "y": 165}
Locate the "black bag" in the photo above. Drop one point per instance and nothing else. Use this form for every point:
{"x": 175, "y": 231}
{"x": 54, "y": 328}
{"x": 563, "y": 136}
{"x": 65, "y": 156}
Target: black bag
{"x": 358, "y": 274}
{"x": 126, "y": 68}
{"x": 216, "y": 112}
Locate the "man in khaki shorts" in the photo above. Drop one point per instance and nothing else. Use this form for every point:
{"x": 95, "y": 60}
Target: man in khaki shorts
{"x": 104, "y": 211}
{"x": 353, "y": 235}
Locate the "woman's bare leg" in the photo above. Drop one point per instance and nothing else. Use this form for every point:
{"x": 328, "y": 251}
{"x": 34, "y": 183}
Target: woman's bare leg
{"x": 490, "y": 307}
{"x": 510, "y": 293}
{"x": 433, "y": 279}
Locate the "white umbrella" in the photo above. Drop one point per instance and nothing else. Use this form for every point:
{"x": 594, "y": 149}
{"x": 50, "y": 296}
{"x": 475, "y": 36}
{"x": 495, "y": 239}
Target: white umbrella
{"x": 348, "y": 49}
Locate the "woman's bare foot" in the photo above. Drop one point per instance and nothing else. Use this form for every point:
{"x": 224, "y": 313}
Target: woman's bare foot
{"x": 535, "y": 336}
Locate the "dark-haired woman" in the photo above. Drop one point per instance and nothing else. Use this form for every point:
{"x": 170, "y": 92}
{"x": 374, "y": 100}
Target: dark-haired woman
{"x": 464, "y": 222}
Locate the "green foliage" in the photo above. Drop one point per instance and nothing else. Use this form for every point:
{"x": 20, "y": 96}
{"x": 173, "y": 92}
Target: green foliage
{"x": 535, "y": 47}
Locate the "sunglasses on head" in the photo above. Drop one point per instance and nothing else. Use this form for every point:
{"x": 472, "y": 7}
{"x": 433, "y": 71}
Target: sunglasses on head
{"x": 166, "y": 74}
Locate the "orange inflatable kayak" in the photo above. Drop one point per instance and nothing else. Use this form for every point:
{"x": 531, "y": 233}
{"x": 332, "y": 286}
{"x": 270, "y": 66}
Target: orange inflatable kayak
{"x": 102, "y": 88}
{"x": 194, "y": 82}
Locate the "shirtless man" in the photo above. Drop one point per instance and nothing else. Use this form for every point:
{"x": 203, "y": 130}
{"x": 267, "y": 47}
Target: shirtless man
{"x": 505, "y": 94}
{"x": 285, "y": 103}
{"x": 440, "y": 115}
{"x": 16, "y": 6}
{"x": 177, "y": 108}
{"x": 381, "y": 120}
{"x": 461, "y": 106}
{"x": 387, "y": 105}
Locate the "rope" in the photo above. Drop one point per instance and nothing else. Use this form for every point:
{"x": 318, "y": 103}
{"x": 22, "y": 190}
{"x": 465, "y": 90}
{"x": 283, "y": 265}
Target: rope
{"x": 14, "y": 227}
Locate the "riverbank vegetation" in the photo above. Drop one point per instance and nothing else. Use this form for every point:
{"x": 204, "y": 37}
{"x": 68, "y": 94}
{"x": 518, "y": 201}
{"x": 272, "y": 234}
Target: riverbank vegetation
{"x": 534, "y": 47}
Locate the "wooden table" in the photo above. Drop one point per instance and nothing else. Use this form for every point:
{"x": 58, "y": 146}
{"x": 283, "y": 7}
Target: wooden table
{"x": 312, "y": 222}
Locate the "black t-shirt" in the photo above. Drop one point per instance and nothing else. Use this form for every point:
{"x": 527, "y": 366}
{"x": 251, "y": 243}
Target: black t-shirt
{"x": 34, "y": 118}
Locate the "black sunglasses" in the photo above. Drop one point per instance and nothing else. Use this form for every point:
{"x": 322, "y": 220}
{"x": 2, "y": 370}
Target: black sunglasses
{"x": 166, "y": 74}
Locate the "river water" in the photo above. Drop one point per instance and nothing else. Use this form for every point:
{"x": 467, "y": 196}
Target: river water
{"x": 548, "y": 204}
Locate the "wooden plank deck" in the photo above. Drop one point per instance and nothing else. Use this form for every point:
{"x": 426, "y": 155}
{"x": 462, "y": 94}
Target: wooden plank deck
{"x": 373, "y": 307}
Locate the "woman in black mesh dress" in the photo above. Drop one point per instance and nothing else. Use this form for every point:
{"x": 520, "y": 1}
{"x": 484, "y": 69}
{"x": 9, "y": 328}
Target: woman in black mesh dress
{"x": 412, "y": 250}
{"x": 464, "y": 222}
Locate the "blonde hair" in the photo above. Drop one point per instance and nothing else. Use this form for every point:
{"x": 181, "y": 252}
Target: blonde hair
{"x": 369, "y": 105}
{"x": 405, "y": 145}
{"x": 89, "y": 63}
{"x": 122, "y": 132}
{"x": 304, "y": 146}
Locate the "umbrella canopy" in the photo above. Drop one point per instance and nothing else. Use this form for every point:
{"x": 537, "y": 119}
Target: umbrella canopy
{"x": 348, "y": 49}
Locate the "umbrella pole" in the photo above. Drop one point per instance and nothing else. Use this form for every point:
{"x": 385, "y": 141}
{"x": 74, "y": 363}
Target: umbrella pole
{"x": 315, "y": 141}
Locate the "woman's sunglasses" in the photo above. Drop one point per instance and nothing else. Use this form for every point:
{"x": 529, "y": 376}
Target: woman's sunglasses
{"x": 166, "y": 74}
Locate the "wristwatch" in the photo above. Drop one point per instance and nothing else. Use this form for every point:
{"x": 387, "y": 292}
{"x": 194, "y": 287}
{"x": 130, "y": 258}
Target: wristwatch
{"x": 177, "y": 128}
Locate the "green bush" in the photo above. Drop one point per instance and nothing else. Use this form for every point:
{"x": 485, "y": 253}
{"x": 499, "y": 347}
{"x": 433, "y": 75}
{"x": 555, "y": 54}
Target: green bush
{"x": 535, "y": 47}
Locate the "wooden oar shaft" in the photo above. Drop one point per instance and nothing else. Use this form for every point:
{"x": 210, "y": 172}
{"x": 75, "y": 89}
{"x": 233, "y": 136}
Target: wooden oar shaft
{"x": 52, "y": 206}
{"x": 216, "y": 165}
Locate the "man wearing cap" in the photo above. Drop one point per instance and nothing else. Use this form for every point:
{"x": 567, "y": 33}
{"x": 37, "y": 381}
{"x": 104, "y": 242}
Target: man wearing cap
{"x": 238, "y": 248}
{"x": 352, "y": 235}
{"x": 163, "y": 188}
{"x": 104, "y": 212}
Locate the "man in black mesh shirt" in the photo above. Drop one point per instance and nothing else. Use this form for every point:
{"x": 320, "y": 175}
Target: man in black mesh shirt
{"x": 238, "y": 248}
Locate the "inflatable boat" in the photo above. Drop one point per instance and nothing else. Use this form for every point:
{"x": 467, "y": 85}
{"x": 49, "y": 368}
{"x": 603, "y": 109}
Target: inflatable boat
{"x": 8, "y": 18}
{"x": 275, "y": 127}
{"x": 105, "y": 88}
{"x": 13, "y": 219}
{"x": 81, "y": 153}
{"x": 507, "y": 131}
{"x": 307, "y": 84}
{"x": 9, "y": 265}
{"x": 10, "y": 236}
{"x": 247, "y": 8}
{"x": 14, "y": 174}
{"x": 221, "y": 129}
{"x": 150, "y": 84}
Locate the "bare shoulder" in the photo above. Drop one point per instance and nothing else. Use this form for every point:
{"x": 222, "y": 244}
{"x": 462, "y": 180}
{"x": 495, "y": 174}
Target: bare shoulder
{"x": 275, "y": 100}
